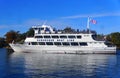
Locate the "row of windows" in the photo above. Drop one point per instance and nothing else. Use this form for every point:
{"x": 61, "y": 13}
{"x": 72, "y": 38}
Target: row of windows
{"x": 45, "y": 40}
{"x": 53, "y": 40}
{"x": 62, "y": 36}
{"x": 59, "y": 43}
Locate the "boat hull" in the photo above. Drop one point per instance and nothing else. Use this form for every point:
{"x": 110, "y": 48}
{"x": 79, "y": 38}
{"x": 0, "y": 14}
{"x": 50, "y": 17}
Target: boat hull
{"x": 63, "y": 49}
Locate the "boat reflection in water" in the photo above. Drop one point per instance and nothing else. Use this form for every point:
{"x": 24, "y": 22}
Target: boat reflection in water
{"x": 65, "y": 65}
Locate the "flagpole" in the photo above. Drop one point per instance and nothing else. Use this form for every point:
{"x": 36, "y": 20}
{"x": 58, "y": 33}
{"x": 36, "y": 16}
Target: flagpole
{"x": 88, "y": 24}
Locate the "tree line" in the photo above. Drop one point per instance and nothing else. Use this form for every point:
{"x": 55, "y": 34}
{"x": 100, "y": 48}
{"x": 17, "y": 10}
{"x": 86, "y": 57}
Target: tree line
{"x": 15, "y": 36}
{"x": 18, "y": 37}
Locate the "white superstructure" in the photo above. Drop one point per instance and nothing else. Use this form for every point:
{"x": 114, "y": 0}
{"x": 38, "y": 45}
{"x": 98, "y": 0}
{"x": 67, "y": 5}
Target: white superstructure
{"x": 46, "y": 40}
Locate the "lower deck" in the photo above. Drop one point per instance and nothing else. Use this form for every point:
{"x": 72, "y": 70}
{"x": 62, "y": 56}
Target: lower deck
{"x": 61, "y": 49}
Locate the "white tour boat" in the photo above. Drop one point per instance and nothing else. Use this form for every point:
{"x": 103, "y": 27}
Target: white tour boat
{"x": 46, "y": 40}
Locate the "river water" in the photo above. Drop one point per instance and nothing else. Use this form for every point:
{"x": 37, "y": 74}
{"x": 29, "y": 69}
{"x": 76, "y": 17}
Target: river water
{"x": 36, "y": 65}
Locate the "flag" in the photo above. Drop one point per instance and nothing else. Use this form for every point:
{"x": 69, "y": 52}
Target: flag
{"x": 93, "y": 21}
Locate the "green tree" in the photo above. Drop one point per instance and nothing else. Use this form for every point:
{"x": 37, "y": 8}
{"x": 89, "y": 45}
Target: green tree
{"x": 114, "y": 38}
{"x": 20, "y": 37}
{"x": 2, "y": 42}
{"x": 11, "y": 36}
{"x": 16, "y": 36}
{"x": 69, "y": 30}
{"x": 30, "y": 33}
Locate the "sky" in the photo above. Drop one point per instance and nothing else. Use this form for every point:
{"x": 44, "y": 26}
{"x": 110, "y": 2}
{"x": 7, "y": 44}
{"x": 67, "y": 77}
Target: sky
{"x": 20, "y": 15}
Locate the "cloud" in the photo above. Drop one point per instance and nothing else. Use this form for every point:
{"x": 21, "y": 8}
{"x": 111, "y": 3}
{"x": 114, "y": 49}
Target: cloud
{"x": 3, "y": 26}
{"x": 59, "y": 23}
{"x": 92, "y": 15}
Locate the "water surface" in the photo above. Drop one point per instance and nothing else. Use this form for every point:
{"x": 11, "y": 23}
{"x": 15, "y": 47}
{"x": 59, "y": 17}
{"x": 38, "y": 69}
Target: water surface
{"x": 36, "y": 65}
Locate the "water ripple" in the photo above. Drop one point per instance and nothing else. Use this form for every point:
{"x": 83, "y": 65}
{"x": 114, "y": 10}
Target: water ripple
{"x": 36, "y": 65}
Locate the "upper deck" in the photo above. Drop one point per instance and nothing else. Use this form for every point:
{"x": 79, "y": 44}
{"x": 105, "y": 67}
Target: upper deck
{"x": 47, "y": 33}
{"x": 44, "y": 29}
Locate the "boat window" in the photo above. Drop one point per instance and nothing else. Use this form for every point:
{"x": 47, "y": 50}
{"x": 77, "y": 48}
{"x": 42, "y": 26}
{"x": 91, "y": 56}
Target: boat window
{"x": 83, "y": 43}
{"x": 66, "y": 43}
{"x": 109, "y": 44}
{"x": 74, "y": 43}
{"x": 34, "y": 43}
{"x": 94, "y": 37}
{"x": 41, "y": 43}
{"x": 60, "y": 39}
{"x": 95, "y": 42}
{"x": 47, "y": 29}
{"x": 38, "y": 36}
{"x": 57, "y": 43}
{"x": 90, "y": 42}
{"x": 49, "y": 43}
{"x": 71, "y": 36}
{"x": 36, "y": 28}
{"x": 41, "y": 28}
{"x": 47, "y": 37}
{"x": 79, "y": 36}
{"x": 63, "y": 36}
{"x": 55, "y": 36}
